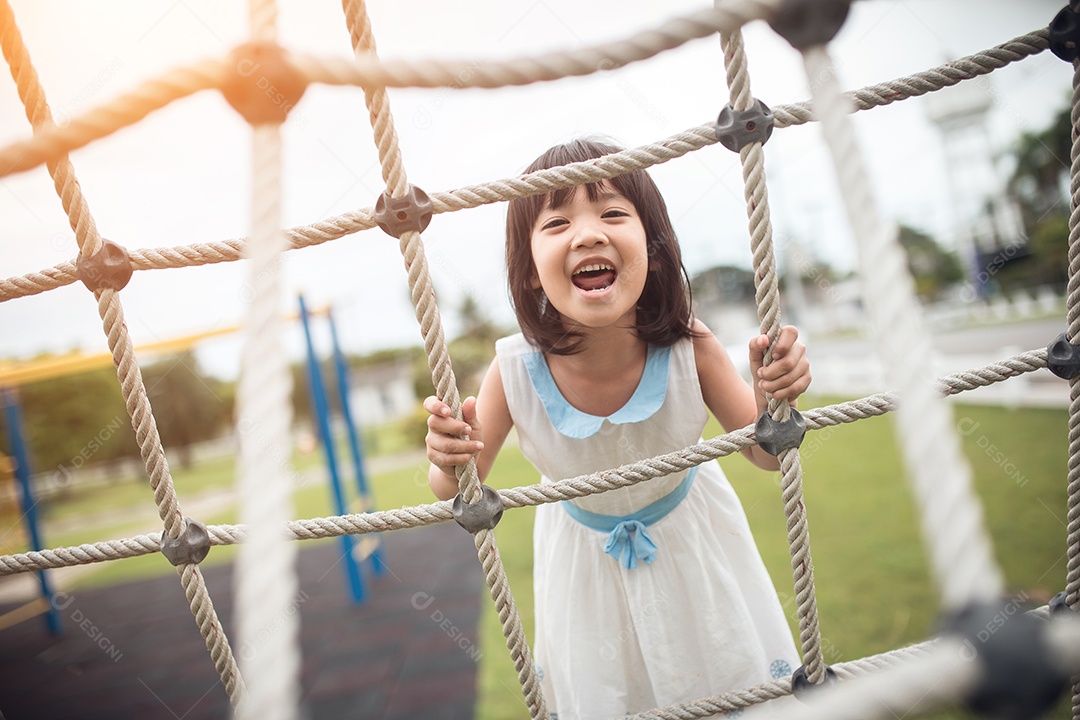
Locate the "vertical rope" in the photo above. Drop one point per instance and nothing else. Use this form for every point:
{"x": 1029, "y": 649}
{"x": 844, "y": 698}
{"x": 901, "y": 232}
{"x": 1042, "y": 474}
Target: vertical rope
{"x": 268, "y": 627}
{"x": 1072, "y": 577}
{"x": 427, "y": 314}
{"x": 32, "y": 95}
{"x": 157, "y": 468}
{"x": 767, "y": 296}
{"x": 960, "y": 552}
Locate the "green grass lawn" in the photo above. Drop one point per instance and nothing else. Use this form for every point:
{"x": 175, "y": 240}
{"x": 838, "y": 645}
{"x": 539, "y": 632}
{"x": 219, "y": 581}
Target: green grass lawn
{"x": 874, "y": 589}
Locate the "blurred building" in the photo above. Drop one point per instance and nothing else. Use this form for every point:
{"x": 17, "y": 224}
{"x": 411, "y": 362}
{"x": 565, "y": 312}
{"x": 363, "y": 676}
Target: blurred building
{"x": 383, "y": 393}
{"x": 987, "y": 228}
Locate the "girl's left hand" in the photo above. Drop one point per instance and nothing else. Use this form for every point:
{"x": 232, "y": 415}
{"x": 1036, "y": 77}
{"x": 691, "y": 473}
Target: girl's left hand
{"x": 788, "y": 375}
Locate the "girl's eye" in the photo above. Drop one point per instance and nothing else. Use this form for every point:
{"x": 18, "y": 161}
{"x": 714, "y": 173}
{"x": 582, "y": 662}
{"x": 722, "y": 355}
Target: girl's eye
{"x": 615, "y": 212}
{"x": 553, "y": 223}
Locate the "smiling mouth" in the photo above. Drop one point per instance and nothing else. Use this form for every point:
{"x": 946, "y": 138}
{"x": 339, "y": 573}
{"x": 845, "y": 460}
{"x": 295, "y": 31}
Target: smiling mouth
{"x": 594, "y": 277}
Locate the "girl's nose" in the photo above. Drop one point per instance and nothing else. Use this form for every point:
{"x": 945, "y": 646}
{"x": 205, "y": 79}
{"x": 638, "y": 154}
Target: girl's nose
{"x": 588, "y": 235}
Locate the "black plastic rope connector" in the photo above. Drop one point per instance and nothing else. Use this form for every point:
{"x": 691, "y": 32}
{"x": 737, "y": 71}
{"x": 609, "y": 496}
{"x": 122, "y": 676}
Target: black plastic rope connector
{"x": 1064, "y": 32}
{"x": 264, "y": 86}
{"x": 774, "y": 436}
{"x": 107, "y": 269}
{"x": 1019, "y": 679}
{"x": 735, "y": 129}
{"x": 801, "y": 685}
{"x": 410, "y": 212}
{"x": 191, "y": 547}
{"x": 1063, "y": 358}
{"x": 484, "y": 514}
{"x": 806, "y": 23}
{"x": 1058, "y": 604}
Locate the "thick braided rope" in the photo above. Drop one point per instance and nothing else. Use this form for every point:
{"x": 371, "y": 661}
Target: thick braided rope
{"x": 1072, "y": 586}
{"x": 268, "y": 627}
{"x": 378, "y": 103}
{"x": 757, "y": 694}
{"x": 916, "y": 679}
{"x": 157, "y": 468}
{"x": 767, "y": 296}
{"x": 960, "y": 551}
{"x": 544, "y": 181}
{"x": 921, "y": 83}
{"x": 111, "y": 311}
{"x": 89, "y": 241}
{"x": 427, "y": 313}
{"x": 1072, "y": 317}
{"x": 368, "y": 72}
{"x": 122, "y": 111}
{"x": 178, "y": 83}
{"x": 32, "y": 95}
{"x": 418, "y": 516}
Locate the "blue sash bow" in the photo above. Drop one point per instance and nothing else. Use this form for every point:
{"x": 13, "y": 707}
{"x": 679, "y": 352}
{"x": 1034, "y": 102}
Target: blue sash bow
{"x": 628, "y": 540}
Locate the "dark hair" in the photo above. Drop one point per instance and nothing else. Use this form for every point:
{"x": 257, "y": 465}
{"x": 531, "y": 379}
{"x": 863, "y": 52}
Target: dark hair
{"x": 663, "y": 310}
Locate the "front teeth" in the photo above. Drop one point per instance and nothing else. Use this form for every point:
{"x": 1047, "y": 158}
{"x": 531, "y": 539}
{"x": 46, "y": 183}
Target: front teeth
{"x": 593, "y": 268}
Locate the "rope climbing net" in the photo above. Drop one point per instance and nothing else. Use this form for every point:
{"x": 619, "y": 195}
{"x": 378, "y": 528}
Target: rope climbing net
{"x": 964, "y": 569}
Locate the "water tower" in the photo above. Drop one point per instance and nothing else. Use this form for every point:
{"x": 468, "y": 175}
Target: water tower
{"x": 987, "y": 230}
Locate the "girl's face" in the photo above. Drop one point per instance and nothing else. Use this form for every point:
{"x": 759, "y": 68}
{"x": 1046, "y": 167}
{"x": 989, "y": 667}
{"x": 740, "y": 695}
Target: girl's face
{"x": 591, "y": 258}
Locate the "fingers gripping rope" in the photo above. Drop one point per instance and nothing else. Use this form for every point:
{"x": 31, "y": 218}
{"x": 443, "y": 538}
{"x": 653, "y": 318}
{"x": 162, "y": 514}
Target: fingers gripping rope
{"x": 779, "y": 414}
{"x": 409, "y": 220}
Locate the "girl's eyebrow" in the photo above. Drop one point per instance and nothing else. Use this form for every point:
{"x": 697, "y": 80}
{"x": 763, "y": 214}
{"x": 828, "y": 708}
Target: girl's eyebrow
{"x": 610, "y": 195}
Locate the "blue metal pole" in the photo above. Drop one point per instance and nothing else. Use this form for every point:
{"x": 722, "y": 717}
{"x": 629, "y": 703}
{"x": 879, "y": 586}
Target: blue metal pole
{"x": 322, "y": 417}
{"x": 367, "y": 500}
{"x": 17, "y": 437}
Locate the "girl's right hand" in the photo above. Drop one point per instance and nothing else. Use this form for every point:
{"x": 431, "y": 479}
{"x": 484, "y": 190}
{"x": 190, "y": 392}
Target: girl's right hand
{"x": 451, "y": 442}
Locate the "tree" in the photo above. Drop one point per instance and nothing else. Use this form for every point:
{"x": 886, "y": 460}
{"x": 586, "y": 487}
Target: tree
{"x": 933, "y": 267}
{"x": 189, "y": 406}
{"x": 1041, "y": 160}
{"x": 74, "y": 420}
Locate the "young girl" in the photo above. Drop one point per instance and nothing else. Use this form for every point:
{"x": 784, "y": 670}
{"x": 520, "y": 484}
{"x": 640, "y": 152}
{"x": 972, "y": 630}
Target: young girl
{"x": 646, "y": 595}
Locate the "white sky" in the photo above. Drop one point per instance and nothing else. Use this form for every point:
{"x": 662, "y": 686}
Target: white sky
{"x": 182, "y": 175}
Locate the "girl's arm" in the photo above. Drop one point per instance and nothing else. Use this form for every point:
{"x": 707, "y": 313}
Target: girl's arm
{"x": 486, "y": 421}
{"x": 735, "y": 403}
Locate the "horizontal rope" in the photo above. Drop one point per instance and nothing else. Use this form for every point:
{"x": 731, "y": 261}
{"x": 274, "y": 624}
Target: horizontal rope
{"x": 122, "y": 111}
{"x": 369, "y": 72}
{"x": 1063, "y": 640}
{"x": 942, "y": 76}
{"x": 543, "y": 181}
{"x": 528, "y": 495}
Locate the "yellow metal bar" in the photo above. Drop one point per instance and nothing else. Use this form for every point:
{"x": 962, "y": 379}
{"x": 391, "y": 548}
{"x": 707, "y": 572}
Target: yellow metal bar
{"x": 23, "y": 613}
{"x": 23, "y": 373}
{"x": 13, "y": 374}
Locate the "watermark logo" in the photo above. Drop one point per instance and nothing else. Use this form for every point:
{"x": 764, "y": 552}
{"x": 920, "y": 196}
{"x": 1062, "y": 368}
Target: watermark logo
{"x": 967, "y": 427}
{"x": 422, "y": 601}
{"x": 251, "y": 647}
{"x": 63, "y": 601}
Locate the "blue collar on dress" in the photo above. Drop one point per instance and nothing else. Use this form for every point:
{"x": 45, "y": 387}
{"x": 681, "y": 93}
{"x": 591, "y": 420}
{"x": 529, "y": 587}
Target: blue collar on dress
{"x": 573, "y": 423}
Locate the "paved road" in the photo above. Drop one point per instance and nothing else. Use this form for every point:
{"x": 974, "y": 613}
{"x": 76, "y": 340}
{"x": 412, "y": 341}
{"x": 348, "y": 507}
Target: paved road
{"x": 850, "y": 366}
{"x": 993, "y": 339}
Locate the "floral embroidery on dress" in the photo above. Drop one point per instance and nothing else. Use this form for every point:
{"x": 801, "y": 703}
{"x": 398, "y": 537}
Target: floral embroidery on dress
{"x": 779, "y": 669}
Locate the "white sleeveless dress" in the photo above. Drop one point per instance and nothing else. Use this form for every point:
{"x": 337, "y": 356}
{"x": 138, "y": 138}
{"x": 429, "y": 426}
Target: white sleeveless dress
{"x": 689, "y": 611}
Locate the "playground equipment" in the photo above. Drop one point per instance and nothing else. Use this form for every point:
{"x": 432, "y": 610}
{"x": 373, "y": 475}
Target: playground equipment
{"x": 1019, "y": 671}
{"x": 18, "y": 467}
{"x": 367, "y": 547}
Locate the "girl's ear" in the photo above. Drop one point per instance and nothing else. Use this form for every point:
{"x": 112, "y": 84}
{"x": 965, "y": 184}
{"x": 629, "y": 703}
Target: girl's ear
{"x": 534, "y": 280}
